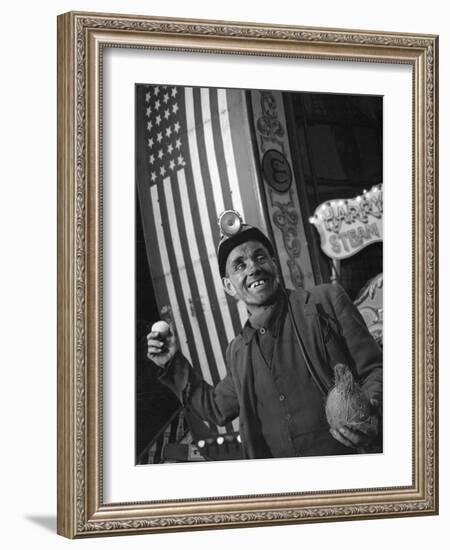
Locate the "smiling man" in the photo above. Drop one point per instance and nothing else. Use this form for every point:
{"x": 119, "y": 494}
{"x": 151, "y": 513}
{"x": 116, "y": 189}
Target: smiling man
{"x": 280, "y": 366}
{"x": 251, "y": 275}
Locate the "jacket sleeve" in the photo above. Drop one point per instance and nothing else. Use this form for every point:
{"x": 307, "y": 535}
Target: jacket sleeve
{"x": 364, "y": 352}
{"x": 217, "y": 405}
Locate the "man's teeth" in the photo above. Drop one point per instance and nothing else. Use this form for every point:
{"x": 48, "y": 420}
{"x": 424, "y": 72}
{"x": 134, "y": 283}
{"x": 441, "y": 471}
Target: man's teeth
{"x": 257, "y": 283}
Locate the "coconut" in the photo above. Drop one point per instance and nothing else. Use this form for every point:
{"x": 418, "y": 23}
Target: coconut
{"x": 346, "y": 403}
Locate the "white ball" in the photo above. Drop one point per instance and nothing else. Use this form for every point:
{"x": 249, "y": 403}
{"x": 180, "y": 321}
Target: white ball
{"x": 162, "y": 328}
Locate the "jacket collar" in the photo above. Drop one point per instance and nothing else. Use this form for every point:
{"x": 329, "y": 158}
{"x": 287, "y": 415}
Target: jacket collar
{"x": 273, "y": 323}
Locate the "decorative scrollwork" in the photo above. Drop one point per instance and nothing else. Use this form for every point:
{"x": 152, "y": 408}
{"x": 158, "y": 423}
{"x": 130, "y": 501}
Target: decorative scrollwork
{"x": 249, "y": 518}
{"x": 268, "y": 125}
{"x": 286, "y": 219}
{"x": 80, "y": 274}
{"x": 260, "y": 32}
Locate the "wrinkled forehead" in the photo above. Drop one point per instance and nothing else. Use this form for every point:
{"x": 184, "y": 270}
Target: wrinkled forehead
{"x": 246, "y": 250}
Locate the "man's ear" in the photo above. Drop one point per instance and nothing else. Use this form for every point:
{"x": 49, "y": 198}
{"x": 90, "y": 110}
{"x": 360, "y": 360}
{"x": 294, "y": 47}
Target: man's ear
{"x": 228, "y": 286}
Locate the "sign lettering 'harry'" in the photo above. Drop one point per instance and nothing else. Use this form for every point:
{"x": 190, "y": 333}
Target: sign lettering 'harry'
{"x": 346, "y": 226}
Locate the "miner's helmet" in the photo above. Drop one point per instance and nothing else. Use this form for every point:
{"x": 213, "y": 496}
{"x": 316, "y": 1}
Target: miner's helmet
{"x": 235, "y": 232}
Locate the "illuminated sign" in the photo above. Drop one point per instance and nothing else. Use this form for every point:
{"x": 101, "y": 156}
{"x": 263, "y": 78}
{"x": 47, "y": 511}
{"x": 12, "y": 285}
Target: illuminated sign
{"x": 346, "y": 226}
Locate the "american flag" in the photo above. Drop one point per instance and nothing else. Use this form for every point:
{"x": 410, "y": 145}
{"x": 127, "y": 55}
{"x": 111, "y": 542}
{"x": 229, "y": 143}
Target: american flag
{"x": 164, "y": 129}
{"x": 194, "y": 160}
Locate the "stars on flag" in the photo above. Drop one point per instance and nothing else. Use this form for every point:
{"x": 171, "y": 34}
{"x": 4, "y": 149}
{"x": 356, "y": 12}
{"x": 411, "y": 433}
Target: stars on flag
{"x": 165, "y": 131}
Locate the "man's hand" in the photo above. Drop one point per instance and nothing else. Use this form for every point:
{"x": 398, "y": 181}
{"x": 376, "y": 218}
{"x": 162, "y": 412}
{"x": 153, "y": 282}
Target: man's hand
{"x": 161, "y": 350}
{"x": 359, "y": 435}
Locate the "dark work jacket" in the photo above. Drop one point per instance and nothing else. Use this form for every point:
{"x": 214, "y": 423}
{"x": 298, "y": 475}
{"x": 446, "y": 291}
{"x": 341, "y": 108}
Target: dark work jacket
{"x": 333, "y": 332}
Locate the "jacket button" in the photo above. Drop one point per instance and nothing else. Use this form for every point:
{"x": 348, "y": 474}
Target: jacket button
{"x": 282, "y": 397}
{"x": 262, "y": 330}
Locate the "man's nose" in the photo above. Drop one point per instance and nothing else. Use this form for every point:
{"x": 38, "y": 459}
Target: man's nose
{"x": 253, "y": 267}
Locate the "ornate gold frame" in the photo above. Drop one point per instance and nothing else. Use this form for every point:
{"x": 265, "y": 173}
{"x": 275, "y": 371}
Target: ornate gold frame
{"x": 81, "y": 36}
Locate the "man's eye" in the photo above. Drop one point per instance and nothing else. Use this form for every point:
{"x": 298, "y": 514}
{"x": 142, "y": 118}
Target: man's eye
{"x": 261, "y": 258}
{"x": 239, "y": 266}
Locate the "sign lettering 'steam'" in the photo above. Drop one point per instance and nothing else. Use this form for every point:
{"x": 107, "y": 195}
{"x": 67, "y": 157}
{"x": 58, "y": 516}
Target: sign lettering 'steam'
{"x": 347, "y": 226}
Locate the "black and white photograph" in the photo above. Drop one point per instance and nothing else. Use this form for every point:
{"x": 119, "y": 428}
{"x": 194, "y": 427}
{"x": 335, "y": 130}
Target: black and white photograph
{"x": 258, "y": 274}
{"x": 247, "y": 284}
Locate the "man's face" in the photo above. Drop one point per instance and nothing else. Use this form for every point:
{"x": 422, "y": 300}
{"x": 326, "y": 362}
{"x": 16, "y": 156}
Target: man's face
{"x": 251, "y": 274}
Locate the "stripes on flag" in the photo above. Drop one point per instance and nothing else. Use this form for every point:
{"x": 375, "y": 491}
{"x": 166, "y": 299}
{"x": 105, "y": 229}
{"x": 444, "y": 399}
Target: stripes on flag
{"x": 188, "y": 146}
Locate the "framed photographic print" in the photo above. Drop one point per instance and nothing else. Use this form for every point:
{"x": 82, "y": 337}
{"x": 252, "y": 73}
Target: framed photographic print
{"x": 247, "y": 284}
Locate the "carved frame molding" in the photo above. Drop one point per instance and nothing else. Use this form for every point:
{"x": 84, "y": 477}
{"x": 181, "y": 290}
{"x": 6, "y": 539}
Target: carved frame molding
{"x": 81, "y": 37}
